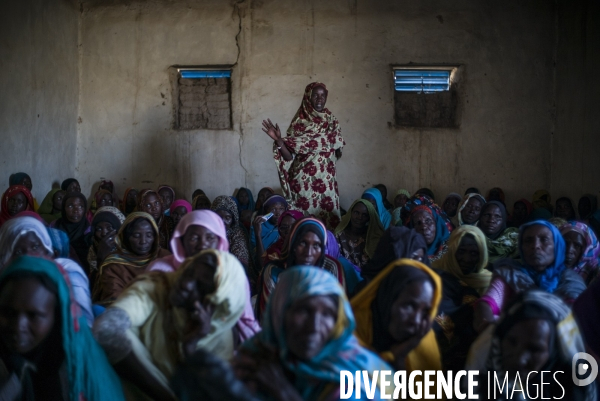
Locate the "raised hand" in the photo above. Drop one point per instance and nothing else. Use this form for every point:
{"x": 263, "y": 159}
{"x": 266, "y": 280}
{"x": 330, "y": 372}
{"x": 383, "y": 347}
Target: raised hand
{"x": 106, "y": 246}
{"x": 272, "y": 130}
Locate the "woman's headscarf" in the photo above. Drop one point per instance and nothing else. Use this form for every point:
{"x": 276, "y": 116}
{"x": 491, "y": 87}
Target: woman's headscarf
{"x": 102, "y": 192}
{"x": 238, "y": 244}
{"x": 106, "y": 214}
{"x": 10, "y": 192}
{"x": 372, "y": 308}
{"x": 123, "y": 203}
{"x": 443, "y": 225}
{"x": 501, "y": 196}
{"x": 14, "y": 229}
{"x": 463, "y": 204}
{"x": 593, "y": 205}
{"x": 47, "y": 206}
{"x": 542, "y": 199}
{"x": 197, "y": 198}
{"x": 478, "y": 279}
{"x": 402, "y": 192}
{"x": 587, "y": 265}
{"x": 452, "y": 195}
{"x": 65, "y": 184}
{"x": 302, "y": 226}
{"x": 181, "y": 202}
{"x": 251, "y": 204}
{"x": 125, "y": 256}
{"x": 374, "y": 229}
{"x": 572, "y": 215}
{"x": 259, "y": 205}
{"x": 314, "y": 377}
{"x": 89, "y": 374}
{"x": 17, "y": 179}
{"x": 74, "y": 230}
{"x": 275, "y": 250}
{"x": 384, "y": 216}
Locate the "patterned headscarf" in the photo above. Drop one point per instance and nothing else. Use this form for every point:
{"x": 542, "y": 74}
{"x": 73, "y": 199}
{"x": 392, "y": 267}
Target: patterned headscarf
{"x": 314, "y": 377}
{"x": 238, "y": 244}
{"x": 374, "y": 229}
{"x": 10, "y": 192}
{"x": 463, "y": 204}
{"x": 588, "y": 264}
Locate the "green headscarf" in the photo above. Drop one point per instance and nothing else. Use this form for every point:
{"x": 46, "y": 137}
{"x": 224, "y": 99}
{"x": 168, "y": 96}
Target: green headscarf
{"x": 374, "y": 231}
{"x": 45, "y": 210}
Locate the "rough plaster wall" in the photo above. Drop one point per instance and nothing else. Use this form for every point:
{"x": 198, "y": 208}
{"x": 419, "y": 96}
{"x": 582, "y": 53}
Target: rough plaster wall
{"x": 506, "y": 48}
{"x": 576, "y": 141}
{"x": 39, "y": 80}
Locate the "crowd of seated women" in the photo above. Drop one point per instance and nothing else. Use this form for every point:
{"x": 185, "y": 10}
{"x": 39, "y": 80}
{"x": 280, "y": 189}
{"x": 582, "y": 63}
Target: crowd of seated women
{"x": 149, "y": 296}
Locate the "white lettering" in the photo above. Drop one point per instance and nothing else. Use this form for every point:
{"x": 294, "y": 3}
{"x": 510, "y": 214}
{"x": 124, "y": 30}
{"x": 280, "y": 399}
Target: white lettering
{"x": 557, "y": 382}
{"x": 383, "y": 385}
{"x": 517, "y": 388}
{"x": 400, "y": 384}
{"x": 370, "y": 386}
{"x": 472, "y": 383}
{"x": 412, "y": 385}
{"x": 346, "y": 391}
{"x": 457, "y": 392}
{"x": 445, "y": 385}
{"x": 534, "y": 385}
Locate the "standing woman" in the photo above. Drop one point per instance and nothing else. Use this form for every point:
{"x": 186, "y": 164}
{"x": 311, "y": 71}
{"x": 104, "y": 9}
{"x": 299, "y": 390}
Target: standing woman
{"x": 306, "y": 157}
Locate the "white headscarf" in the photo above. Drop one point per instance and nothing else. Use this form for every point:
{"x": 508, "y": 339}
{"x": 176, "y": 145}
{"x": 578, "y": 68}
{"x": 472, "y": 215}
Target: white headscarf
{"x": 14, "y": 229}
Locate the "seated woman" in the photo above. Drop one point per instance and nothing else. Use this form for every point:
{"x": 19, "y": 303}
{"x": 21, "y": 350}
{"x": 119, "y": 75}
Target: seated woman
{"x": 583, "y": 250}
{"x": 28, "y": 236}
{"x": 263, "y": 194}
{"x": 542, "y": 250}
{"x": 179, "y": 208}
{"x": 395, "y": 312}
{"x": 163, "y": 317}
{"x": 396, "y": 243}
{"x": 264, "y": 233}
{"x": 496, "y": 194}
{"x": 107, "y": 221}
{"x": 305, "y": 247}
{"x": 521, "y": 211}
{"x": 501, "y": 241}
{"x": 226, "y": 208}
{"x": 25, "y": 180}
{"x": 150, "y": 202}
{"x": 284, "y": 226}
{"x": 201, "y": 202}
{"x": 359, "y": 232}
{"x": 536, "y": 334}
{"x": 542, "y": 200}
{"x": 587, "y": 206}
{"x": 137, "y": 246}
{"x": 306, "y": 341}
{"x": 102, "y": 198}
{"x": 15, "y": 200}
{"x": 59, "y": 360}
{"x": 450, "y": 204}
{"x": 469, "y": 209}
{"x": 564, "y": 209}
{"x": 129, "y": 202}
{"x": 428, "y": 220}
{"x": 74, "y": 223}
{"x": 464, "y": 280}
{"x": 383, "y": 190}
{"x": 402, "y": 196}
{"x": 245, "y": 200}
{"x": 70, "y": 185}
{"x": 167, "y": 194}
{"x": 51, "y": 206}
{"x": 373, "y": 195}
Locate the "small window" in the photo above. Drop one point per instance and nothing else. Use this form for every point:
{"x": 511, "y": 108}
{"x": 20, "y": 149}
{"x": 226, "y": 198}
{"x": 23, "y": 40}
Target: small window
{"x": 426, "y": 96}
{"x": 203, "y": 99}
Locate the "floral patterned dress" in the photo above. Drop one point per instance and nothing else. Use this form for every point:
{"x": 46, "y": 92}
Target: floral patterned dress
{"x": 309, "y": 180}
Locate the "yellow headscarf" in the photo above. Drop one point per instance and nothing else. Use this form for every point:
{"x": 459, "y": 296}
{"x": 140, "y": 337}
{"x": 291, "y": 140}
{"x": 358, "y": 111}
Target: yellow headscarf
{"x": 426, "y": 355}
{"x": 480, "y": 278}
{"x": 374, "y": 230}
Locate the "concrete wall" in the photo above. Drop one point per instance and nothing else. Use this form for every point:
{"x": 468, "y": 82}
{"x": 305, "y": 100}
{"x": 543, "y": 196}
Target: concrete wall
{"x": 576, "y": 139}
{"x": 278, "y": 46}
{"x": 39, "y": 96}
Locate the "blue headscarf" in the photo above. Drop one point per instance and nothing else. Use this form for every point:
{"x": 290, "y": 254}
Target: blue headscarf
{"x": 251, "y": 204}
{"x": 549, "y": 279}
{"x": 320, "y": 374}
{"x": 89, "y": 373}
{"x": 443, "y": 226}
{"x": 384, "y": 215}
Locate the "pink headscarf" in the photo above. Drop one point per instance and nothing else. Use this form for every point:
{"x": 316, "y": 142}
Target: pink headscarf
{"x": 181, "y": 202}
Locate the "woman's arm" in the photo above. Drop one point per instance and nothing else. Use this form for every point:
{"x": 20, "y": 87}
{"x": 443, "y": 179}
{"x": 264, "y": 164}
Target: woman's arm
{"x": 275, "y": 133}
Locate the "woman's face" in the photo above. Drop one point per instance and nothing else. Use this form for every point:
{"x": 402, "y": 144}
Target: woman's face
{"x": 132, "y": 197}
{"x": 286, "y": 226}
{"x": 142, "y": 238}
{"x": 198, "y": 238}
{"x": 309, "y": 323}
{"x": 360, "y": 216}
{"x": 178, "y": 213}
{"x": 26, "y": 315}
{"x": 308, "y": 249}
{"x": 450, "y": 206}
{"x": 471, "y": 211}
{"x": 262, "y": 196}
{"x": 102, "y": 229}
{"x": 318, "y": 98}
{"x": 520, "y": 211}
{"x": 526, "y": 347}
{"x": 74, "y": 209}
{"x": 490, "y": 221}
{"x": 277, "y": 209}
{"x": 418, "y": 255}
{"x": 564, "y": 209}
{"x": 196, "y": 282}
{"x": 243, "y": 197}
{"x": 30, "y": 244}
{"x": 202, "y": 204}
{"x": 167, "y": 197}
{"x": 410, "y": 310}
{"x": 400, "y": 200}
{"x": 575, "y": 246}
{"x": 467, "y": 255}
{"x": 226, "y": 217}
{"x": 27, "y": 183}
{"x": 538, "y": 247}
{"x": 57, "y": 200}
{"x": 17, "y": 204}
{"x": 74, "y": 187}
{"x": 106, "y": 200}
{"x": 424, "y": 224}
{"x": 153, "y": 206}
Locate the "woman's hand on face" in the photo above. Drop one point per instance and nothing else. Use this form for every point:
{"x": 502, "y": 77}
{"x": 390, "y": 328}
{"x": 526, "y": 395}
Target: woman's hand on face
{"x": 198, "y": 327}
{"x": 271, "y": 129}
{"x": 401, "y": 350}
{"x": 106, "y": 246}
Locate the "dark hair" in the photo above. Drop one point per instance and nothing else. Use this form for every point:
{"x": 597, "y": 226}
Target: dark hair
{"x": 472, "y": 190}
{"x": 427, "y": 192}
{"x": 128, "y": 231}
